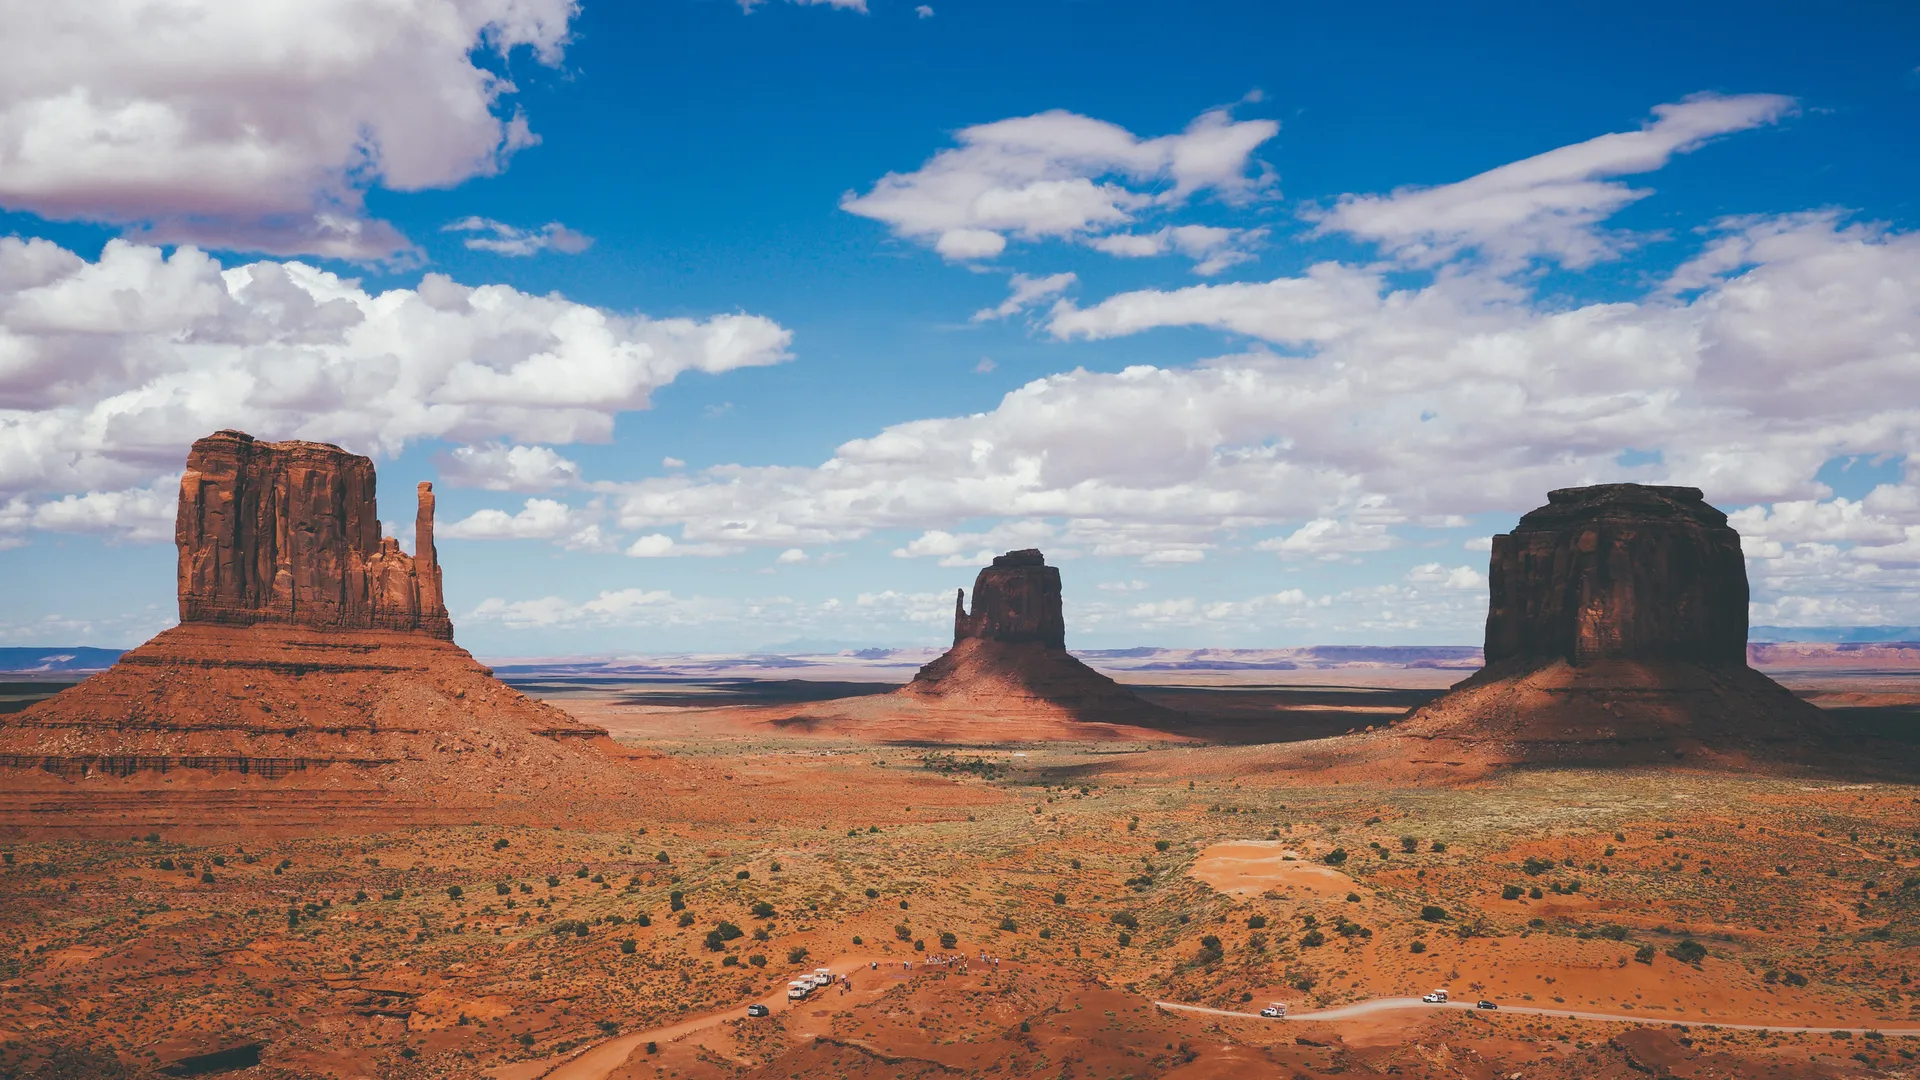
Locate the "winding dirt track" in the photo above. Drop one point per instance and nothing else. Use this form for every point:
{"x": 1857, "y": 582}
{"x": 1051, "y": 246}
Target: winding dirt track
{"x": 1393, "y": 1004}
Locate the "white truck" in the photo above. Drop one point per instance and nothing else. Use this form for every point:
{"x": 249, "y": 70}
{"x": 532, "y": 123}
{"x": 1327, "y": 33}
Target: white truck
{"x": 1275, "y": 1011}
{"x": 1438, "y": 997}
{"x": 799, "y": 988}
{"x": 822, "y": 977}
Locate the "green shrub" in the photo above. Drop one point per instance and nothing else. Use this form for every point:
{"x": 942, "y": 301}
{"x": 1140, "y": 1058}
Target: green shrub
{"x": 1409, "y": 845}
{"x": 1433, "y": 913}
{"x": 628, "y": 946}
{"x": 1336, "y": 857}
{"x": 948, "y": 940}
{"x": 762, "y": 910}
{"x": 1512, "y": 892}
{"x": 796, "y": 954}
{"x": 1256, "y": 922}
{"x": 1007, "y": 924}
{"x": 1125, "y": 919}
{"x": 1644, "y": 954}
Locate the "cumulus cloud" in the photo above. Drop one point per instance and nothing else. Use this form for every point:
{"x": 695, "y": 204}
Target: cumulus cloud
{"x": 840, "y": 5}
{"x": 1458, "y": 578}
{"x": 1025, "y": 292}
{"x": 109, "y": 369}
{"x": 134, "y": 515}
{"x": 499, "y": 467}
{"x": 1411, "y": 404}
{"x": 541, "y": 519}
{"x": 503, "y": 239}
{"x": 1330, "y": 300}
{"x": 1549, "y": 205}
{"x": 1212, "y": 248}
{"x": 1059, "y": 175}
{"x": 260, "y": 126}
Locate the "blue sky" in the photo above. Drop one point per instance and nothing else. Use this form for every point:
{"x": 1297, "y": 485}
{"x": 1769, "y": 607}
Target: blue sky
{"x": 1348, "y": 292}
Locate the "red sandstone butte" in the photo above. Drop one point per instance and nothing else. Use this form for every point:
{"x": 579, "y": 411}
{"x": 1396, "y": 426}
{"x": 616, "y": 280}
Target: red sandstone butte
{"x": 1010, "y": 656}
{"x": 1616, "y": 630}
{"x": 312, "y": 681}
{"x": 289, "y": 533}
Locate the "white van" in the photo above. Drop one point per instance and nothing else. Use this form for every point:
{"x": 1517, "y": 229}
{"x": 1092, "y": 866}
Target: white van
{"x": 799, "y": 988}
{"x": 822, "y": 977}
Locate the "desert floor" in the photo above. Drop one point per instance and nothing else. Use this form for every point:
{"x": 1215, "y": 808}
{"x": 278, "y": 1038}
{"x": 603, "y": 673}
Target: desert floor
{"x": 1215, "y": 867}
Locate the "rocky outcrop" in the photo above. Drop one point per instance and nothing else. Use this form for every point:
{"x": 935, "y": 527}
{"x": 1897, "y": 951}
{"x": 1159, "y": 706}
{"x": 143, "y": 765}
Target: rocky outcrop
{"x": 1009, "y": 657}
{"x": 1616, "y": 631}
{"x": 313, "y": 671}
{"x": 1618, "y": 571}
{"x": 1017, "y": 599}
{"x": 289, "y": 533}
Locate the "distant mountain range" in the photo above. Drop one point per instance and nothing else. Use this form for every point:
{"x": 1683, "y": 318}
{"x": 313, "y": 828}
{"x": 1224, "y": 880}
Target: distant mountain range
{"x": 897, "y": 664}
{"x": 78, "y": 659}
{"x": 1834, "y": 633}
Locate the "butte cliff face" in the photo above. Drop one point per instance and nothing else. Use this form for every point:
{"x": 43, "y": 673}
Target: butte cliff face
{"x": 1616, "y": 630}
{"x": 288, "y": 533}
{"x": 1618, "y": 571}
{"x": 1009, "y": 659}
{"x": 1017, "y": 599}
{"x": 312, "y": 680}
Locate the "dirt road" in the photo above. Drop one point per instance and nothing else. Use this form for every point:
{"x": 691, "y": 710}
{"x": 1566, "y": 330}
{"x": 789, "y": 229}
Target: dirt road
{"x": 1392, "y": 1004}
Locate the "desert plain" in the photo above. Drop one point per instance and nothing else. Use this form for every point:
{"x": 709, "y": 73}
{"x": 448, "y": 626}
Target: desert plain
{"x": 1726, "y": 920}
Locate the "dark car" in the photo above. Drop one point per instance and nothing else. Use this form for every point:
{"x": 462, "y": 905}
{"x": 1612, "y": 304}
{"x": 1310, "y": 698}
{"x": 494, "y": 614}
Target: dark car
{"x": 757, "y": 1010}
{"x": 1485, "y": 1005}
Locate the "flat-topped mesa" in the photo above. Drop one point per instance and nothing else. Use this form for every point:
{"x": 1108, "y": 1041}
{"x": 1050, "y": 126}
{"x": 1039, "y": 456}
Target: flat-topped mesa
{"x": 1017, "y": 599}
{"x": 1616, "y": 633}
{"x": 288, "y": 533}
{"x": 1618, "y": 572}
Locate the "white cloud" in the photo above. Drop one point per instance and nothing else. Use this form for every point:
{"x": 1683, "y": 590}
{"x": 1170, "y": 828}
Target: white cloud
{"x": 1328, "y": 538}
{"x": 1025, "y": 293}
{"x": 1058, "y": 175}
{"x": 1212, "y": 248}
{"x": 110, "y": 369}
{"x": 840, "y": 5}
{"x": 1122, "y": 586}
{"x": 662, "y": 546}
{"x": 672, "y": 463}
{"x": 1411, "y": 405}
{"x": 1330, "y": 301}
{"x": 791, "y": 556}
{"x": 1549, "y": 205}
{"x": 541, "y": 519}
{"x": 503, "y": 239}
{"x": 1458, "y": 578}
{"x": 259, "y": 126}
{"x": 135, "y": 515}
{"x": 499, "y": 467}
{"x": 925, "y": 11}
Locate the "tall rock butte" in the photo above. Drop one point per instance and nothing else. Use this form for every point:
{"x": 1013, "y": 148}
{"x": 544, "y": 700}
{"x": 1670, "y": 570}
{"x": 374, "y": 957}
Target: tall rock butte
{"x": 1009, "y": 657}
{"x": 1617, "y": 630}
{"x": 288, "y": 533}
{"x": 312, "y": 681}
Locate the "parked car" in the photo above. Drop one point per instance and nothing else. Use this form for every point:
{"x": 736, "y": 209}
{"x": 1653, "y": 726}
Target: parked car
{"x": 1485, "y": 1005}
{"x": 757, "y": 1009}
